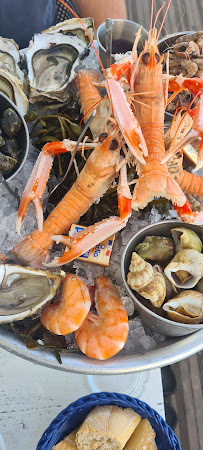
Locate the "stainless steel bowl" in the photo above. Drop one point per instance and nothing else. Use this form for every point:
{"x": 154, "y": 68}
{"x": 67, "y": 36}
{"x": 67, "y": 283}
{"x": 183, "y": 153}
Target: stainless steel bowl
{"x": 22, "y": 136}
{"x": 153, "y": 320}
{"x": 122, "y": 29}
{"x": 164, "y": 44}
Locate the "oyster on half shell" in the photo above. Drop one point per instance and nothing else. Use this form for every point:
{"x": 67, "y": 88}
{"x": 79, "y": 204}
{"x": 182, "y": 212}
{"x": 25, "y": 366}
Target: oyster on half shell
{"x": 73, "y": 27}
{"x": 186, "y": 307}
{"x": 51, "y": 60}
{"x": 12, "y": 88}
{"x": 24, "y": 291}
{"x": 10, "y": 57}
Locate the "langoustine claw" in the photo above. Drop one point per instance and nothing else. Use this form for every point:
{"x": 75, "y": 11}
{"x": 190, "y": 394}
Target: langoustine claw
{"x": 102, "y": 336}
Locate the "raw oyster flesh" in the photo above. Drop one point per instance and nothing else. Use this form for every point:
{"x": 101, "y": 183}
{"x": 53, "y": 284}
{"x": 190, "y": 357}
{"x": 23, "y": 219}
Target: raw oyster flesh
{"x": 24, "y": 291}
{"x": 156, "y": 248}
{"x": 51, "y": 60}
{"x": 186, "y": 307}
{"x": 74, "y": 27}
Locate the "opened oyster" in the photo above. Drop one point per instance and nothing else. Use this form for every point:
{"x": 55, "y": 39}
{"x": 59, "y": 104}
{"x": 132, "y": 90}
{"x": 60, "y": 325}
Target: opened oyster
{"x": 186, "y": 307}
{"x": 73, "y": 27}
{"x": 186, "y": 238}
{"x": 10, "y": 57}
{"x": 185, "y": 269}
{"x": 51, "y": 60}
{"x": 24, "y": 291}
{"x": 12, "y": 88}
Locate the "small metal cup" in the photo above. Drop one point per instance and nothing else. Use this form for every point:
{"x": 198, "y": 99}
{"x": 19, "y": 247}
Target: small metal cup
{"x": 122, "y": 29}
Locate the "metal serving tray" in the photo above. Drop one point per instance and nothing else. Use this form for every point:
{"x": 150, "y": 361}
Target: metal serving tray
{"x": 168, "y": 352}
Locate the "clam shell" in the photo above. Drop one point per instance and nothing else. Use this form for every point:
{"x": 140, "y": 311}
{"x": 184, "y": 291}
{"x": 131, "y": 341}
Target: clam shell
{"x": 186, "y": 307}
{"x": 24, "y": 291}
{"x": 155, "y": 291}
{"x": 140, "y": 272}
{"x": 191, "y": 263}
{"x": 185, "y": 238}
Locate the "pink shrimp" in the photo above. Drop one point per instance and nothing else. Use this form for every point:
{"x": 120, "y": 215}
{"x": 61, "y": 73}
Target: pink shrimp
{"x": 102, "y": 336}
{"x": 71, "y": 308}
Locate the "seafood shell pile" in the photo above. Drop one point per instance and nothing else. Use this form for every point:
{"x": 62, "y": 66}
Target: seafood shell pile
{"x": 50, "y": 60}
{"x": 179, "y": 277}
{"x": 186, "y": 59}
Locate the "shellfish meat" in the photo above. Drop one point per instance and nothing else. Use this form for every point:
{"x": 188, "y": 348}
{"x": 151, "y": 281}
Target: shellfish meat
{"x": 156, "y": 248}
{"x": 186, "y": 307}
{"x": 185, "y": 269}
{"x": 73, "y": 27}
{"x": 51, "y": 60}
{"x": 186, "y": 238}
{"x": 24, "y": 291}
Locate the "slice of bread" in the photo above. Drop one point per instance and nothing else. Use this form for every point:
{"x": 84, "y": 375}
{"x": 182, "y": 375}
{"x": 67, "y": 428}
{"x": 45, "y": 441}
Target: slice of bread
{"x": 68, "y": 443}
{"x": 107, "y": 427}
{"x": 142, "y": 438}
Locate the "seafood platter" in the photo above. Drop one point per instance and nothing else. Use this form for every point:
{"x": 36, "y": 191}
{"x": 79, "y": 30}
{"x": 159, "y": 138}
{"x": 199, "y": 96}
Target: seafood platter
{"x": 63, "y": 302}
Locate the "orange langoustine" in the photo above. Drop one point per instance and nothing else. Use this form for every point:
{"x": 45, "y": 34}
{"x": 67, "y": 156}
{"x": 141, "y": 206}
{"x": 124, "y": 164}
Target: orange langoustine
{"x": 139, "y": 121}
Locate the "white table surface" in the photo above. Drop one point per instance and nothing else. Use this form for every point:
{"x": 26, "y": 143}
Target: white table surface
{"x": 31, "y": 396}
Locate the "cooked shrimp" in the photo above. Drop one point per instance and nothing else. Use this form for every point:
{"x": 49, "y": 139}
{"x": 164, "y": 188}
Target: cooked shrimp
{"x": 102, "y": 336}
{"x": 71, "y": 308}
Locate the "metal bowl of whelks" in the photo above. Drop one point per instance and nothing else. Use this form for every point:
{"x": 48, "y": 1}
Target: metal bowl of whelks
{"x": 162, "y": 269}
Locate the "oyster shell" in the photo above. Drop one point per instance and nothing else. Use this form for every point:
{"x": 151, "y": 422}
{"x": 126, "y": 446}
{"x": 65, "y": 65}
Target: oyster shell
{"x": 186, "y": 307}
{"x": 185, "y": 269}
{"x": 10, "y": 58}
{"x": 24, "y": 291}
{"x": 186, "y": 238}
{"x": 73, "y": 27}
{"x": 11, "y": 87}
{"x": 51, "y": 60}
{"x": 156, "y": 248}
{"x": 140, "y": 272}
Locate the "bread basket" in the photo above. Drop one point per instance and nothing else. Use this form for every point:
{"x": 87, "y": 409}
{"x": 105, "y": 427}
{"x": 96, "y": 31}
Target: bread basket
{"x": 72, "y": 416}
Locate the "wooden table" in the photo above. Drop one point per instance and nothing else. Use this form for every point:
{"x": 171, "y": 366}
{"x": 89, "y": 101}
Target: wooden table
{"x": 32, "y": 396}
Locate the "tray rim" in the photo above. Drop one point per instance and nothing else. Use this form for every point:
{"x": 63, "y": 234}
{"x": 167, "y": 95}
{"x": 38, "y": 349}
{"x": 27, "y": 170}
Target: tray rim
{"x": 76, "y": 363}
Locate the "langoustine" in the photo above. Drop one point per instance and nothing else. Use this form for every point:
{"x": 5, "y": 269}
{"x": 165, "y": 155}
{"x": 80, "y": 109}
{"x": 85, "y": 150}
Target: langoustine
{"x": 144, "y": 135}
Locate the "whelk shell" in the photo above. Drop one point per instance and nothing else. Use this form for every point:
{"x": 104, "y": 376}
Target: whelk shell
{"x": 24, "y": 291}
{"x": 155, "y": 290}
{"x": 140, "y": 272}
{"x": 186, "y": 307}
{"x": 185, "y": 269}
{"x": 186, "y": 238}
{"x": 156, "y": 248}
{"x": 146, "y": 281}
